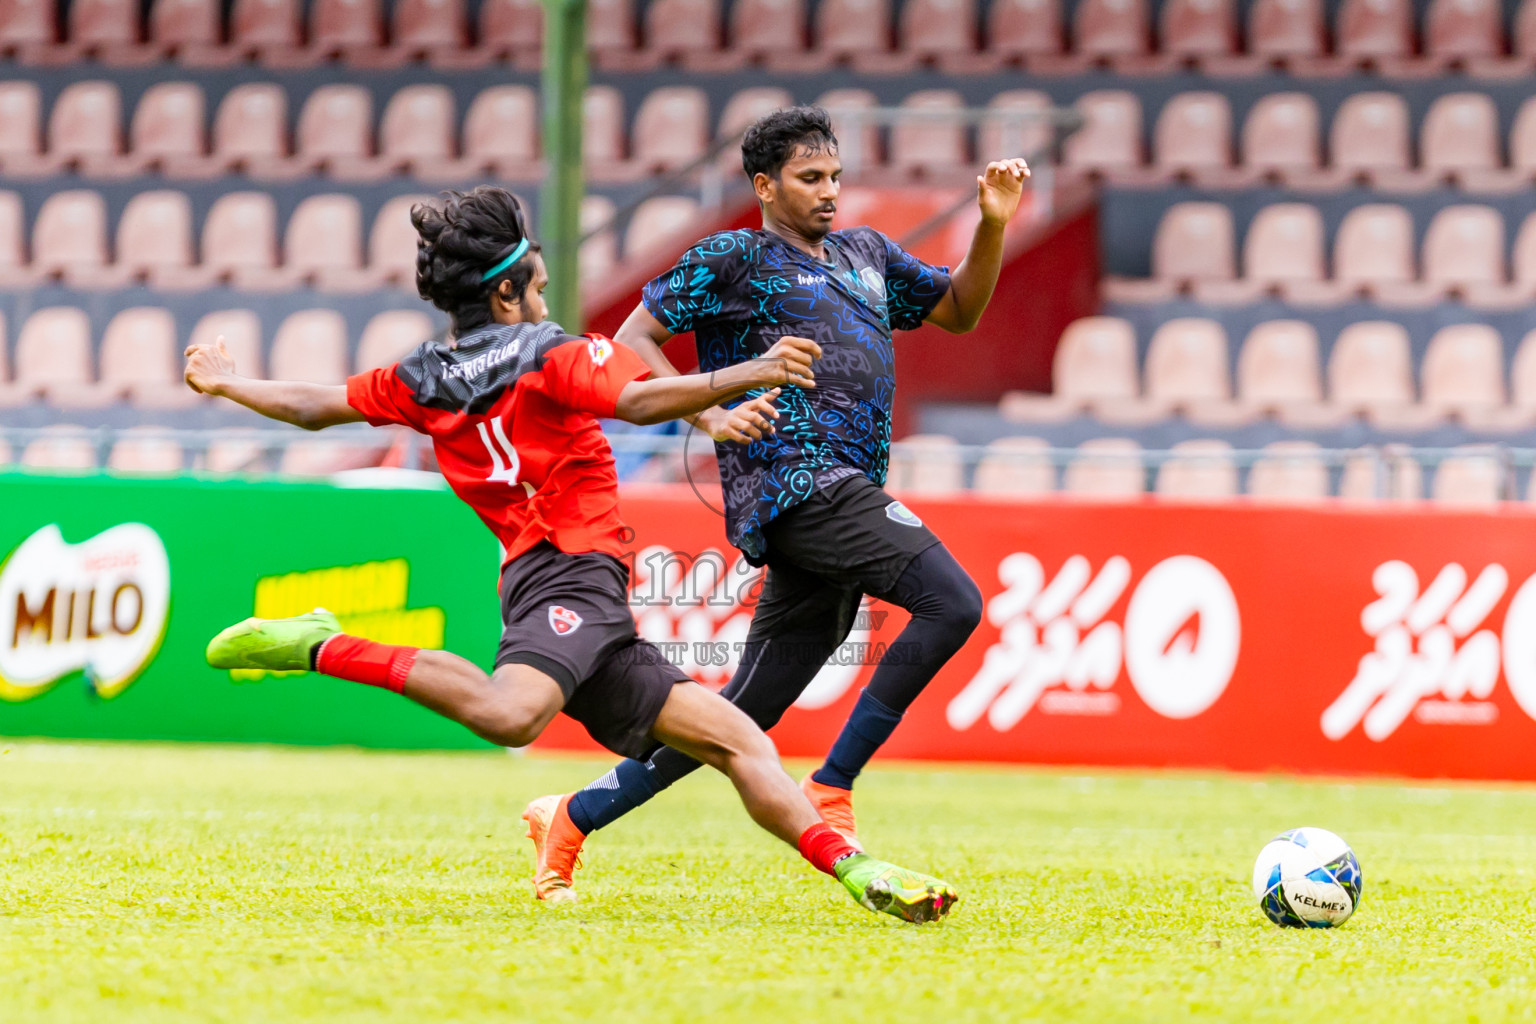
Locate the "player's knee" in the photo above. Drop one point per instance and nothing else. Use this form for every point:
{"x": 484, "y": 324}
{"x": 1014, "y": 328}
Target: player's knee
{"x": 963, "y": 606}
{"x": 507, "y": 724}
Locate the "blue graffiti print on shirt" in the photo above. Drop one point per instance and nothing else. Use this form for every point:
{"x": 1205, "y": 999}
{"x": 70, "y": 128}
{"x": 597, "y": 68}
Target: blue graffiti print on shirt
{"x": 739, "y": 292}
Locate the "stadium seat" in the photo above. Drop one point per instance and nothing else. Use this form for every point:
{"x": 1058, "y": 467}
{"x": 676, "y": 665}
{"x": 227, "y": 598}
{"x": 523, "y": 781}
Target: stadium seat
{"x": 61, "y": 447}
{"x": 1187, "y": 367}
{"x": 1460, "y": 134}
{"x": 1110, "y": 28}
{"x": 321, "y": 456}
{"x": 188, "y": 29}
{"x": 429, "y": 28}
{"x": 846, "y": 29}
{"x": 1018, "y": 30}
{"x": 610, "y": 31}
{"x": 1012, "y": 131}
{"x": 512, "y": 29}
{"x": 1472, "y": 479}
{"x": 417, "y": 132}
{"x": 1464, "y": 28}
{"x": 167, "y": 131}
{"x": 1289, "y": 471}
{"x": 764, "y": 29}
{"x": 345, "y": 27}
{"x": 146, "y": 450}
{"x": 1463, "y": 370}
{"x": 21, "y": 134}
{"x": 1371, "y": 475}
{"x": 931, "y": 140}
{"x": 1522, "y": 377}
{"x": 265, "y": 27}
{"x": 1016, "y": 466}
{"x": 671, "y": 128}
{"x": 1110, "y": 139}
{"x": 1524, "y": 35}
{"x": 390, "y": 336}
{"x": 740, "y": 111}
{"x": 324, "y": 243}
{"x": 53, "y": 357}
{"x": 69, "y": 237}
{"x": 1198, "y": 28}
{"x": 1193, "y": 245}
{"x": 85, "y": 129}
{"x": 1280, "y": 136}
{"x": 250, "y": 130}
{"x": 1372, "y": 29}
{"x": 392, "y": 244}
{"x": 1278, "y": 369}
{"x": 1193, "y": 134}
{"x": 105, "y": 29}
{"x": 657, "y": 222}
{"x": 15, "y": 269}
{"x": 1200, "y": 470}
{"x": 603, "y": 150}
{"x": 241, "y": 331}
{"x": 311, "y": 345}
{"x": 1369, "y": 136}
{"x": 1522, "y": 141}
{"x": 1374, "y": 248}
{"x": 1464, "y": 246}
{"x": 938, "y": 28}
{"x": 501, "y": 132}
{"x": 154, "y": 242}
{"x": 1106, "y": 467}
{"x": 236, "y": 451}
{"x": 1284, "y": 246}
{"x": 335, "y": 132}
{"x": 1286, "y": 29}
{"x": 684, "y": 29}
{"x": 858, "y": 138}
{"x": 1370, "y": 368}
{"x": 1094, "y": 367}
{"x": 140, "y": 359}
{"x": 239, "y": 242}
{"x": 598, "y": 255}
{"x": 926, "y": 464}
{"x": 27, "y": 25}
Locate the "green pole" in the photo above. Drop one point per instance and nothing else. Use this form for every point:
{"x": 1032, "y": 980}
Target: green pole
{"x": 564, "y": 83}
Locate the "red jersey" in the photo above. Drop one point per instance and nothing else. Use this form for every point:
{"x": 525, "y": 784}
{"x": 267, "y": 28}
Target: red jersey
{"x": 512, "y": 412}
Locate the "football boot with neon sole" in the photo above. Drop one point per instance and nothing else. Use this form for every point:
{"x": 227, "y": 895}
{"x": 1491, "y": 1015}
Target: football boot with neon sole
{"x": 888, "y": 889}
{"x": 557, "y": 847}
{"x": 835, "y": 807}
{"x": 277, "y": 645}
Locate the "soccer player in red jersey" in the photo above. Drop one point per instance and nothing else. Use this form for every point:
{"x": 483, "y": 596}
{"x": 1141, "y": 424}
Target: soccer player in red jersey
{"x": 511, "y": 403}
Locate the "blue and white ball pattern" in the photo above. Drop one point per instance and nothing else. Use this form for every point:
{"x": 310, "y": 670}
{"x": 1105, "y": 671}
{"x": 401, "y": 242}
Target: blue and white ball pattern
{"x": 1307, "y": 878}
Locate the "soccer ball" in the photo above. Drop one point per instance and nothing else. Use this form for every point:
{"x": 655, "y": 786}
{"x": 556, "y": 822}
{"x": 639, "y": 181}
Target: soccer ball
{"x": 1307, "y": 878}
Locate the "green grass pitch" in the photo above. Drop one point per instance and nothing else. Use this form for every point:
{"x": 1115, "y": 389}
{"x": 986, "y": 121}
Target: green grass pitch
{"x": 158, "y": 883}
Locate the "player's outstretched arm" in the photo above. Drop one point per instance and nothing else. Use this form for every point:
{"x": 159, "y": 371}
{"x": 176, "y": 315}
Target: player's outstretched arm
{"x": 210, "y": 370}
{"x": 998, "y": 192}
{"x": 668, "y": 398}
{"x": 645, "y": 334}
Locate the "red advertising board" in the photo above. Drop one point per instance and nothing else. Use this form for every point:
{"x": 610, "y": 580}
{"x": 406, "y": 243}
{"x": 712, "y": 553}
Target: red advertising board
{"x": 1333, "y": 639}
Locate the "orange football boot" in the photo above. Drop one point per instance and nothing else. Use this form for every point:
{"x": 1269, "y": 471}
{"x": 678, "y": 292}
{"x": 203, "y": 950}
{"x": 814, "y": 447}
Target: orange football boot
{"x": 557, "y": 844}
{"x": 835, "y": 807}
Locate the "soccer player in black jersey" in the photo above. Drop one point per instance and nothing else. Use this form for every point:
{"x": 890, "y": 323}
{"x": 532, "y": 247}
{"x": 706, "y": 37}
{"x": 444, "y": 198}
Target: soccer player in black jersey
{"x": 807, "y": 501}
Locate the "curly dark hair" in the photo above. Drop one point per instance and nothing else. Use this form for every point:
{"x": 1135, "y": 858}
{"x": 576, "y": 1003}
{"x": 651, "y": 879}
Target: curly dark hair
{"x": 463, "y": 235}
{"x": 772, "y": 139}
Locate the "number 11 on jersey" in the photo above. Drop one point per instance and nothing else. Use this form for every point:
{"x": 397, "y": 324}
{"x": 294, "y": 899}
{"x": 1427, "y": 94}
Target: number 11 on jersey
{"x": 504, "y": 461}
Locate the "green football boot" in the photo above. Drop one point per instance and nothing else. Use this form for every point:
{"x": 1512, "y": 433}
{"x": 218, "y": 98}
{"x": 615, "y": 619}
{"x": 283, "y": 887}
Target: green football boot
{"x": 277, "y": 645}
{"x": 888, "y": 889}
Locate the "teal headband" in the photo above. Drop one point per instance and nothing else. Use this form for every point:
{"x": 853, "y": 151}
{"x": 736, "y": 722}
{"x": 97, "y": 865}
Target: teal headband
{"x": 513, "y": 257}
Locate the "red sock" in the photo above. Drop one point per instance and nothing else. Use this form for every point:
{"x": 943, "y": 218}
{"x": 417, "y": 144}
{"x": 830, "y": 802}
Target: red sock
{"x": 824, "y": 846}
{"x": 367, "y": 662}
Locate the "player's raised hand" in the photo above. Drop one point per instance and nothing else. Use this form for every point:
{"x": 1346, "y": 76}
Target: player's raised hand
{"x": 999, "y": 189}
{"x": 789, "y": 361}
{"x": 750, "y": 421}
{"x": 208, "y": 365}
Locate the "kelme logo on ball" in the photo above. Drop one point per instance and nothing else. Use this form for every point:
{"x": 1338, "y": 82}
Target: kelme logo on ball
{"x": 99, "y": 606}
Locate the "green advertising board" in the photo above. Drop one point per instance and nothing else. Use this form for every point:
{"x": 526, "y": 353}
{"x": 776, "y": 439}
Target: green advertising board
{"x": 112, "y": 587}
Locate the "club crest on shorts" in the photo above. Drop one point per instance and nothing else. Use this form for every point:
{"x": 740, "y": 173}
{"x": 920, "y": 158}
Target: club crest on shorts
{"x": 562, "y": 620}
{"x": 896, "y": 512}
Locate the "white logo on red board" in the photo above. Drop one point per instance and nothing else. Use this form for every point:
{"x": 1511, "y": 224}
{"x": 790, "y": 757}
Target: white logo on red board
{"x": 1433, "y": 659}
{"x": 599, "y": 349}
{"x": 1058, "y": 650}
{"x": 563, "y": 621}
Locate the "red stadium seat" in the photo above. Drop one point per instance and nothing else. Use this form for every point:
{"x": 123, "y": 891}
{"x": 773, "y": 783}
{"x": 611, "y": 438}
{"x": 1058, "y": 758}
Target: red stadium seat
{"x": 154, "y": 241}
{"x": 1375, "y": 28}
{"x": 1278, "y": 368}
{"x": 934, "y": 28}
{"x": 1201, "y": 470}
{"x": 69, "y": 236}
{"x": 167, "y": 131}
{"x": 741, "y": 110}
{"x": 599, "y": 255}
{"x": 236, "y": 451}
{"x": 1370, "y": 134}
{"x": 1016, "y": 466}
{"x": 1280, "y": 29}
{"x": 1008, "y": 136}
{"x": 423, "y": 27}
{"x": 21, "y": 135}
{"x": 1110, "y": 138}
{"x": 671, "y": 128}
{"x": 1524, "y": 36}
{"x": 146, "y": 450}
{"x": 858, "y": 140}
{"x": 15, "y": 271}
{"x": 1284, "y": 245}
{"x": 603, "y": 148}
{"x": 1370, "y": 367}
{"x": 1187, "y": 364}
{"x": 1460, "y": 134}
{"x": 932, "y": 140}
{"x": 86, "y": 128}
{"x": 1094, "y": 367}
{"x": 240, "y": 241}
{"x": 139, "y": 359}
{"x": 265, "y": 26}
{"x": 250, "y": 130}
{"x": 311, "y": 345}
{"x": 1106, "y": 467}
{"x": 53, "y": 357}
{"x": 95, "y": 24}
{"x": 1522, "y": 141}
{"x": 343, "y": 26}
{"x": 1474, "y": 479}
{"x": 513, "y": 28}
{"x": 1463, "y": 370}
{"x": 27, "y": 24}
{"x": 391, "y": 336}
{"x": 1194, "y": 246}
{"x": 1464, "y": 28}
{"x": 847, "y": 29}
{"x": 241, "y": 331}
{"x": 1199, "y": 28}
{"x": 323, "y": 456}
{"x": 392, "y": 243}
{"x": 501, "y": 131}
{"x": 658, "y": 221}
{"x": 1374, "y": 247}
{"x": 1290, "y": 471}
{"x": 610, "y": 27}
{"x": 1019, "y": 29}
{"x": 682, "y": 28}
{"x": 324, "y": 242}
{"x": 1194, "y": 133}
{"x": 335, "y": 131}
{"x": 1464, "y": 246}
{"x": 61, "y": 447}
{"x": 185, "y": 25}
{"x": 926, "y": 464}
{"x": 417, "y": 131}
{"x": 1281, "y": 135}
{"x": 763, "y": 29}
{"x": 1111, "y": 28}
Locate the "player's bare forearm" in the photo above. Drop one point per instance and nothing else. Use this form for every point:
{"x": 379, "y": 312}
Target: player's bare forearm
{"x": 998, "y": 192}
{"x": 668, "y": 398}
{"x": 645, "y": 334}
{"x": 311, "y": 406}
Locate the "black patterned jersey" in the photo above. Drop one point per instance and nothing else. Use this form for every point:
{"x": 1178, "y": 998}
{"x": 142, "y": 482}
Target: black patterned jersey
{"x": 739, "y": 292}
